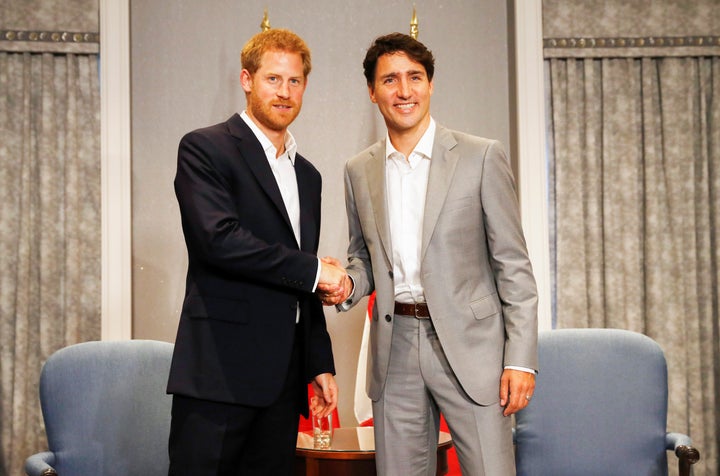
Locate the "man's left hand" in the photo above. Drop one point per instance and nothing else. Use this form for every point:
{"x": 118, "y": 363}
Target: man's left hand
{"x": 516, "y": 390}
{"x": 325, "y": 395}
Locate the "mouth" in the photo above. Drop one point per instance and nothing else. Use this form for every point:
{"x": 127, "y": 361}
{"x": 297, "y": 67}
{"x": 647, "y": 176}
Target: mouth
{"x": 283, "y": 107}
{"x": 406, "y": 106}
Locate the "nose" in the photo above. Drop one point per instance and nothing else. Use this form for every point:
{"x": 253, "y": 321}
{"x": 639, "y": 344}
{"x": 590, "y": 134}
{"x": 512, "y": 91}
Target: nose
{"x": 283, "y": 90}
{"x": 403, "y": 88}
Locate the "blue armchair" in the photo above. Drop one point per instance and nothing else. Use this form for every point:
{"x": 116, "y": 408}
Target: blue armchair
{"x": 599, "y": 408}
{"x": 105, "y": 410}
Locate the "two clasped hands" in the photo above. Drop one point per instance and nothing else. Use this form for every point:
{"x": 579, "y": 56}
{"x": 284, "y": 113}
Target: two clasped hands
{"x": 334, "y": 285}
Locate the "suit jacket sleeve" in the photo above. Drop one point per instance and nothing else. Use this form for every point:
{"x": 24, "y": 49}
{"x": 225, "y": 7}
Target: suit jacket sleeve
{"x": 509, "y": 260}
{"x": 359, "y": 263}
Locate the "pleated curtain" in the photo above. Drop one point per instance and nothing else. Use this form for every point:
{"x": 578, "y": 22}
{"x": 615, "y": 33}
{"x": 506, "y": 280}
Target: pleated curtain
{"x": 633, "y": 114}
{"x": 635, "y": 178}
{"x": 50, "y": 211}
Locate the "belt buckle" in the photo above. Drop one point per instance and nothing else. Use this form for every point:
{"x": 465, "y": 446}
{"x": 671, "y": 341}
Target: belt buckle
{"x": 417, "y": 308}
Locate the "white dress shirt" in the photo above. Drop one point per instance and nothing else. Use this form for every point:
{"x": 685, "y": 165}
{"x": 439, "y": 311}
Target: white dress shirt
{"x": 406, "y": 185}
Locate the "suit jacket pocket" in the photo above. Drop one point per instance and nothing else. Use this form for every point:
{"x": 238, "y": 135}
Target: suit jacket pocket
{"x": 217, "y": 308}
{"x": 486, "y": 306}
{"x": 460, "y": 203}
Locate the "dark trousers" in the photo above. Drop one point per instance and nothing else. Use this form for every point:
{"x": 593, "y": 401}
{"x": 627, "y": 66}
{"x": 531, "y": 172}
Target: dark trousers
{"x": 212, "y": 438}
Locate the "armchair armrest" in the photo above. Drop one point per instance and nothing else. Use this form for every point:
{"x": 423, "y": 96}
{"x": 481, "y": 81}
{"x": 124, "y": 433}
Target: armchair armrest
{"x": 681, "y": 445}
{"x": 40, "y": 464}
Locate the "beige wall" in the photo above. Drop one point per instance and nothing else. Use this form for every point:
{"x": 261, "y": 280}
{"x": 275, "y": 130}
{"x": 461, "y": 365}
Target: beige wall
{"x": 184, "y": 60}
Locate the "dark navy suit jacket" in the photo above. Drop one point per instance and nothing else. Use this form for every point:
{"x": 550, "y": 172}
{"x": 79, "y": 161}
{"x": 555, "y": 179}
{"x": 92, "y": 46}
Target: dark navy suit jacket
{"x": 246, "y": 275}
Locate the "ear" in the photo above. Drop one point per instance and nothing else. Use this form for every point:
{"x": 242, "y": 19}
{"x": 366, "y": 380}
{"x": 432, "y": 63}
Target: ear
{"x": 246, "y": 80}
{"x": 431, "y": 88}
{"x": 371, "y": 92}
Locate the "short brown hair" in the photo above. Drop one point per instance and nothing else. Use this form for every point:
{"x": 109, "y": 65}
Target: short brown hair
{"x": 397, "y": 43}
{"x": 274, "y": 39}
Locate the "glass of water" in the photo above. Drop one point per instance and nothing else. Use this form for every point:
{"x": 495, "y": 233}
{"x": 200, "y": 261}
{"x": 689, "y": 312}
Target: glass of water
{"x": 322, "y": 431}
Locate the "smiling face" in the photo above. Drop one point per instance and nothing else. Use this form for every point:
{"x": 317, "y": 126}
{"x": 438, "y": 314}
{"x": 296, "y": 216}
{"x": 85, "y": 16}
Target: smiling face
{"x": 274, "y": 92}
{"x": 402, "y": 91}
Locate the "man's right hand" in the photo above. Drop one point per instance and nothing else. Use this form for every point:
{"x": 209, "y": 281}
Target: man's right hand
{"x": 334, "y": 285}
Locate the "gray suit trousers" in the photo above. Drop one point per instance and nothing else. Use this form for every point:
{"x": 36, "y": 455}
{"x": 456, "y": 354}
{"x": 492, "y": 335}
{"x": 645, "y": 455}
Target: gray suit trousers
{"x": 420, "y": 384}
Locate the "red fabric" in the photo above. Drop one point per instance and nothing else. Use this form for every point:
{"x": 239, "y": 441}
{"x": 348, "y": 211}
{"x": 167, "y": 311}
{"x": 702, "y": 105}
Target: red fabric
{"x": 305, "y": 423}
{"x": 453, "y": 464}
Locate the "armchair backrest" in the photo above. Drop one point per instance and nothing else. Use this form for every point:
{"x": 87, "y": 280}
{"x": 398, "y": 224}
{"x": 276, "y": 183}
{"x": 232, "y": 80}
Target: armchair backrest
{"x": 599, "y": 407}
{"x": 105, "y": 408}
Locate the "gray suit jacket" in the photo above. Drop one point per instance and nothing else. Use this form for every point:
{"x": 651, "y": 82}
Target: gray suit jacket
{"x": 475, "y": 269}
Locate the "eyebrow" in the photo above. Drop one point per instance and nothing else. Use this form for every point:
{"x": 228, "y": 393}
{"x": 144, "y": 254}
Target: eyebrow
{"x": 411, "y": 72}
{"x": 270, "y": 73}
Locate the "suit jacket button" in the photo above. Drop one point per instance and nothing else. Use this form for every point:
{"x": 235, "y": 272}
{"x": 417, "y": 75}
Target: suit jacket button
{"x": 349, "y": 301}
{"x": 388, "y": 317}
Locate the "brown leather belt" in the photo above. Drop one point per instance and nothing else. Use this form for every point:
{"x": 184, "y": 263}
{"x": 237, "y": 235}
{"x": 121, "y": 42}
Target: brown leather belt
{"x": 419, "y": 310}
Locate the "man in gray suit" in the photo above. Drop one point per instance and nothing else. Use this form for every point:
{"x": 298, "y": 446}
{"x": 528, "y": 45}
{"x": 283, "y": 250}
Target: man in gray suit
{"x": 435, "y": 229}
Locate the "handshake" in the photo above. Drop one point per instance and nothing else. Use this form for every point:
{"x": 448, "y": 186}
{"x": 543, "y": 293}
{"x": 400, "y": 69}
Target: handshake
{"x": 334, "y": 285}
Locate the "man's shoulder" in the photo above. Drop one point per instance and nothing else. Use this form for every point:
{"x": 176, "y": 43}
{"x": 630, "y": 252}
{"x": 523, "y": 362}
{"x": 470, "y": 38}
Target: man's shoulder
{"x": 465, "y": 138}
{"x": 220, "y": 129}
{"x": 302, "y": 161}
{"x": 366, "y": 154}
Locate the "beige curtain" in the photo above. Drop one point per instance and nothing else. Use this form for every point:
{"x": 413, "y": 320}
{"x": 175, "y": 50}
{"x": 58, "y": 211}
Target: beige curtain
{"x": 635, "y": 179}
{"x": 49, "y": 230}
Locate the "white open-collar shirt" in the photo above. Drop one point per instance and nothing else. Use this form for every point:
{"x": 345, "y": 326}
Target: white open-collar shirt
{"x": 406, "y": 181}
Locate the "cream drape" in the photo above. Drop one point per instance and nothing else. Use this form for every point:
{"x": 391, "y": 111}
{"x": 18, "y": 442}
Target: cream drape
{"x": 49, "y": 230}
{"x": 635, "y": 180}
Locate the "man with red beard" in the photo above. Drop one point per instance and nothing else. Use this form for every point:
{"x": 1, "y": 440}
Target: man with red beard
{"x": 252, "y": 332}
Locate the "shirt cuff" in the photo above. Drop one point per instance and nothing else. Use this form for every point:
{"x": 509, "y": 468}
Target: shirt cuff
{"x": 347, "y": 304}
{"x": 522, "y": 369}
{"x": 317, "y": 275}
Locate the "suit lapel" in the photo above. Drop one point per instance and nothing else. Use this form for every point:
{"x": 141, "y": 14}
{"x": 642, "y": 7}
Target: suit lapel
{"x": 253, "y": 154}
{"x": 442, "y": 168}
{"x": 375, "y": 173}
{"x": 309, "y": 222}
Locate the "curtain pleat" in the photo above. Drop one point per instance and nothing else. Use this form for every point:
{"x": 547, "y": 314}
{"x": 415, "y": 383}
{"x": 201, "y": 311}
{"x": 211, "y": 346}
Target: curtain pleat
{"x": 50, "y": 225}
{"x": 635, "y": 159}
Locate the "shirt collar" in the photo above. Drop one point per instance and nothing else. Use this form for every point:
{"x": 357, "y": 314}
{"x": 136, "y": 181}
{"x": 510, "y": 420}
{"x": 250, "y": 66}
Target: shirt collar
{"x": 424, "y": 145}
{"x": 266, "y": 144}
